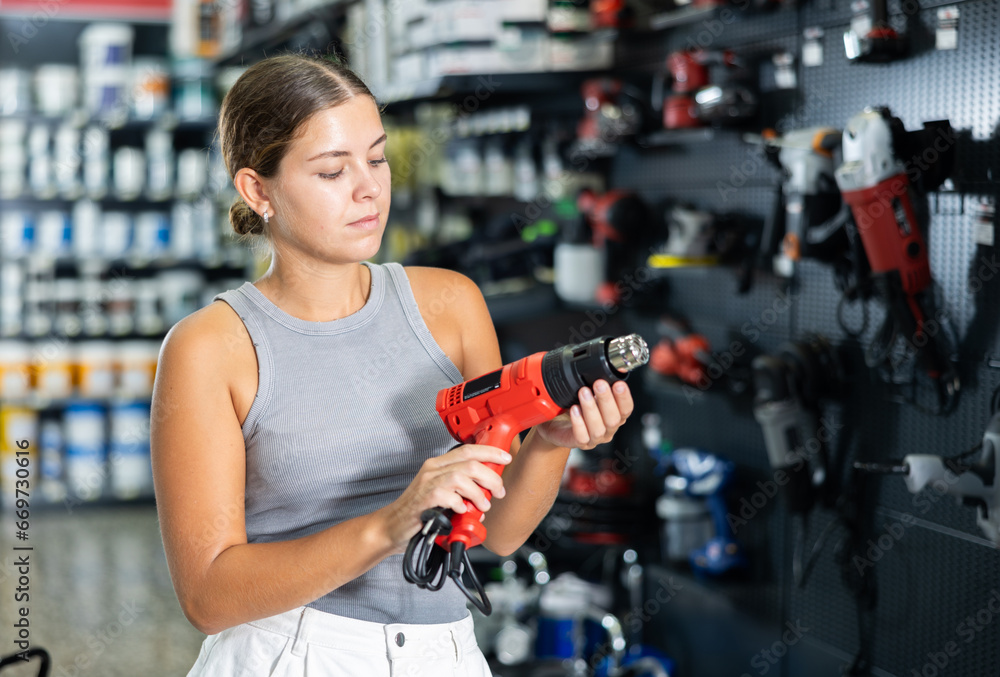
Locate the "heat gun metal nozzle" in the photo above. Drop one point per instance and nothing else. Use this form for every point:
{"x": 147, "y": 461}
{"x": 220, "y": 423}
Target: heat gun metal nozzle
{"x": 565, "y": 370}
{"x": 628, "y": 352}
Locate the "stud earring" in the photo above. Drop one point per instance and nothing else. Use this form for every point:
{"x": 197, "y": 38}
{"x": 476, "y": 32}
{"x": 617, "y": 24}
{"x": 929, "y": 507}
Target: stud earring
{"x": 265, "y": 218}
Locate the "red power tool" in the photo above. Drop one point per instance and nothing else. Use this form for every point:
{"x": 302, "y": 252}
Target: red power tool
{"x": 491, "y": 410}
{"x": 875, "y": 181}
{"x": 696, "y": 101}
{"x": 612, "y": 111}
{"x": 686, "y": 357}
{"x": 690, "y": 73}
{"x": 615, "y": 219}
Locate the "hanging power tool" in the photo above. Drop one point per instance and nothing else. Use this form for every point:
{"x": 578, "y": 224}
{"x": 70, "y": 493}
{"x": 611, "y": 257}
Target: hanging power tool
{"x": 491, "y": 410}
{"x": 681, "y": 353}
{"x": 788, "y": 387}
{"x": 707, "y": 476}
{"x": 975, "y": 484}
{"x": 613, "y": 111}
{"x": 685, "y": 357}
{"x": 695, "y": 101}
{"x": 598, "y": 502}
{"x": 611, "y": 14}
{"x": 808, "y": 210}
{"x": 875, "y": 181}
{"x": 689, "y": 75}
{"x": 691, "y": 235}
{"x": 870, "y": 37}
{"x": 615, "y": 219}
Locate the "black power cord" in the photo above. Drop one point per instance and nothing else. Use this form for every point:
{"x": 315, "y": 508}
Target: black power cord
{"x": 20, "y": 658}
{"x": 422, "y": 563}
{"x": 885, "y": 354}
{"x": 428, "y": 566}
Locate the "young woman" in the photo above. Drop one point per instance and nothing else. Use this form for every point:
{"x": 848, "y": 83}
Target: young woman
{"x": 294, "y": 436}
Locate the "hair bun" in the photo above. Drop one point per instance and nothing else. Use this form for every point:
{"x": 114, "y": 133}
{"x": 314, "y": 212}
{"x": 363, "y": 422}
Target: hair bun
{"x": 244, "y": 220}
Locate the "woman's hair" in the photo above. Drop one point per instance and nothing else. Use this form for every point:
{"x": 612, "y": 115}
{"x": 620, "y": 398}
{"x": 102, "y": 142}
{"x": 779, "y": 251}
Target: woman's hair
{"x": 265, "y": 109}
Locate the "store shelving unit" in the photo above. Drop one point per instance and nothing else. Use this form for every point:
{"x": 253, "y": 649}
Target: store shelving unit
{"x": 85, "y": 265}
{"x": 257, "y": 42}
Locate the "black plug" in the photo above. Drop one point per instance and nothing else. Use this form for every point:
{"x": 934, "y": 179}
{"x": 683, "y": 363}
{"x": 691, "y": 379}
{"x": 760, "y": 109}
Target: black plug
{"x": 437, "y": 520}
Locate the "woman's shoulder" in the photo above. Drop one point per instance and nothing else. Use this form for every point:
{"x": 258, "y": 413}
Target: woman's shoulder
{"x": 448, "y": 286}
{"x": 454, "y": 310}
{"x": 213, "y": 332}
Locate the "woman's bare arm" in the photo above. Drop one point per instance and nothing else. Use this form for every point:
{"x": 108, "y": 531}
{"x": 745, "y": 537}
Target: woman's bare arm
{"x": 531, "y": 481}
{"x": 199, "y": 473}
{"x": 466, "y": 334}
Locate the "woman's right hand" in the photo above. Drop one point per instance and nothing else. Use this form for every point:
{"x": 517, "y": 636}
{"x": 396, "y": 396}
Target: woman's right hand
{"x": 444, "y": 482}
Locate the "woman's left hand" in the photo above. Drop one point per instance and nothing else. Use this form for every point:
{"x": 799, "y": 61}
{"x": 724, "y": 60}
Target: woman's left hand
{"x": 593, "y": 421}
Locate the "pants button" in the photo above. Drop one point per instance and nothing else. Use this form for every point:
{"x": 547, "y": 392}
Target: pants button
{"x": 400, "y": 639}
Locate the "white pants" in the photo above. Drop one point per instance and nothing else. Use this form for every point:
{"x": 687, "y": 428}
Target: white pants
{"x": 305, "y": 642}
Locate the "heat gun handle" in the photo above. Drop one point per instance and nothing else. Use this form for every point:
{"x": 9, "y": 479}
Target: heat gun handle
{"x": 497, "y": 436}
{"x": 498, "y": 469}
{"x": 467, "y": 526}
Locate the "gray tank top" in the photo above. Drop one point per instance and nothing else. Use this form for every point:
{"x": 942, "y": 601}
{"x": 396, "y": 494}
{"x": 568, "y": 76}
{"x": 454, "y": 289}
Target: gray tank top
{"x": 342, "y": 420}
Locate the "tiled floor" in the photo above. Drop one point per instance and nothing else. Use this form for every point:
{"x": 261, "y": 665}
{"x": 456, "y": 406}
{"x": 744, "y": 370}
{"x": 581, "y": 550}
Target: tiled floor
{"x": 101, "y": 601}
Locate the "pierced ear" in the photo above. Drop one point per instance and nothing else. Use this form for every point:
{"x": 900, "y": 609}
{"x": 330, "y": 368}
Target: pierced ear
{"x": 251, "y": 188}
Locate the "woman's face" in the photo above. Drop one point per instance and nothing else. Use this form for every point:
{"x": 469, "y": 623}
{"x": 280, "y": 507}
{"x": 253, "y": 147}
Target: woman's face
{"x": 330, "y": 197}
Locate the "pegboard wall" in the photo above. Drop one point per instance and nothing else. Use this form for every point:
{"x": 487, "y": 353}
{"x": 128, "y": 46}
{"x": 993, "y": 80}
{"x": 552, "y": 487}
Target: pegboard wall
{"x": 936, "y": 582}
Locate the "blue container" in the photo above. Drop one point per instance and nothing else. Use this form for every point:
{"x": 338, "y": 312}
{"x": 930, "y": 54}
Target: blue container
{"x": 555, "y": 637}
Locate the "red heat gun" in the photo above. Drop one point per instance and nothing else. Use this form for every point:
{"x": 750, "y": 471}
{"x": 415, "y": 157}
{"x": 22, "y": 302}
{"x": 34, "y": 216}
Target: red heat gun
{"x": 491, "y": 409}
